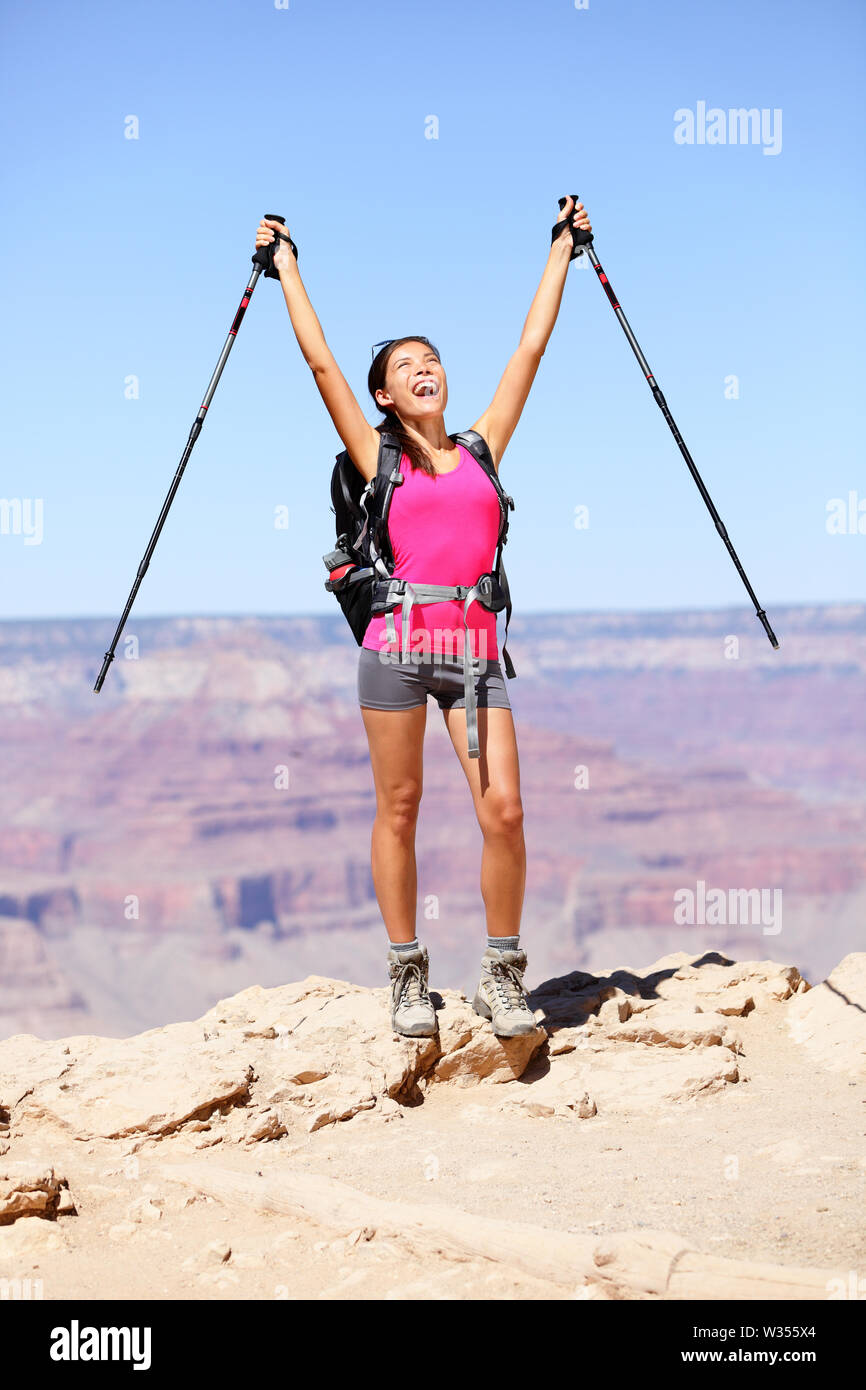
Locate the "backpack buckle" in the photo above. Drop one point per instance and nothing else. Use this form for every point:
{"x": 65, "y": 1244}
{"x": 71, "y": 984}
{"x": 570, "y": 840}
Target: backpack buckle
{"x": 490, "y": 594}
{"x": 385, "y": 593}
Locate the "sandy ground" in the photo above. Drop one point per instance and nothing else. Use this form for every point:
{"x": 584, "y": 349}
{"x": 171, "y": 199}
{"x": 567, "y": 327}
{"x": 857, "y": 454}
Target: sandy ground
{"x": 770, "y": 1169}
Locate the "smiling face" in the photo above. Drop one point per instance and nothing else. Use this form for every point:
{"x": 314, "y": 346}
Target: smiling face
{"x": 415, "y": 384}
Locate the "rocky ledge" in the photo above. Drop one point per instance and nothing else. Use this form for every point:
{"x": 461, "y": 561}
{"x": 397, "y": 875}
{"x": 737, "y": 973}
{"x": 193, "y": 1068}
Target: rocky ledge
{"x": 244, "y": 1115}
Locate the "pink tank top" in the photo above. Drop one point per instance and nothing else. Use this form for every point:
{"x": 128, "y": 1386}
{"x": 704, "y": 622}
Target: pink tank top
{"x": 443, "y": 530}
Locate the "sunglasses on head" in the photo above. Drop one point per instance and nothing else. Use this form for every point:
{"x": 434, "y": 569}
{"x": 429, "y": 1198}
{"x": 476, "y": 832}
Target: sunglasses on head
{"x": 378, "y": 346}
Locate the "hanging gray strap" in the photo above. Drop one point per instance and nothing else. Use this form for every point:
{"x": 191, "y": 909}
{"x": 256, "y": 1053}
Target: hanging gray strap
{"x": 406, "y": 620}
{"x": 400, "y": 591}
{"x": 471, "y": 671}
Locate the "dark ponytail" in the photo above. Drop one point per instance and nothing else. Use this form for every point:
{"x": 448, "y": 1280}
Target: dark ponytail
{"x": 415, "y": 452}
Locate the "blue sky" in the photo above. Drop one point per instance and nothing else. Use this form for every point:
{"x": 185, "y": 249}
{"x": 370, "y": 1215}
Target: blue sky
{"x": 128, "y": 258}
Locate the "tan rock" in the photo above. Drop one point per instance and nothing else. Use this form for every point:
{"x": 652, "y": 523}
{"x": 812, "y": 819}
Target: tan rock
{"x": 485, "y": 1057}
{"x": 585, "y": 1107}
{"x": 26, "y": 1190}
{"x": 616, "y": 1008}
{"x": 66, "y": 1203}
{"x": 28, "y": 1238}
{"x": 737, "y": 1001}
{"x": 152, "y": 1083}
{"x": 666, "y": 1027}
{"x": 829, "y": 1021}
{"x": 624, "y": 1079}
{"x": 777, "y": 988}
{"x": 303, "y": 1070}
{"x": 144, "y": 1209}
{"x": 26, "y": 1060}
{"x": 714, "y": 982}
{"x": 265, "y": 1126}
{"x": 528, "y": 1107}
{"x": 345, "y": 1102}
{"x": 362, "y": 1234}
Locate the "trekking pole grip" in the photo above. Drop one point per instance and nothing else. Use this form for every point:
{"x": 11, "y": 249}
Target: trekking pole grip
{"x": 579, "y": 238}
{"x": 265, "y": 254}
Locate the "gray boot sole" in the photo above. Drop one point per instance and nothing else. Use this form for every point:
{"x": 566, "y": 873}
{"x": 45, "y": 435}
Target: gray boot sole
{"x": 416, "y": 1030}
{"x": 518, "y": 1029}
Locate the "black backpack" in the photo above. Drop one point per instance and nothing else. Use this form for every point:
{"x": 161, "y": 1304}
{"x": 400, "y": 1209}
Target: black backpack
{"x": 363, "y": 555}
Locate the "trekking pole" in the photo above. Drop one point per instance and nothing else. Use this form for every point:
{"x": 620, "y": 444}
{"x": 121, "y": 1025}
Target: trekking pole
{"x": 263, "y": 259}
{"x": 583, "y": 242}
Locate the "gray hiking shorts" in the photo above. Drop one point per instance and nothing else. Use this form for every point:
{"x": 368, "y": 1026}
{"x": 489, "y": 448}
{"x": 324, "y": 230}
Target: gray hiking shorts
{"x": 383, "y": 684}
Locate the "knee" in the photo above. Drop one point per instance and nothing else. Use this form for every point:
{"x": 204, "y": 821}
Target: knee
{"x": 503, "y": 817}
{"x": 400, "y": 808}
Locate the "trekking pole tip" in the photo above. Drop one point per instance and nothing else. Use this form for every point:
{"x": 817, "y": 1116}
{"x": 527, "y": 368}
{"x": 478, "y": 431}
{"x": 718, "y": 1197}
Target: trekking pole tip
{"x": 774, "y": 641}
{"x": 109, "y": 657}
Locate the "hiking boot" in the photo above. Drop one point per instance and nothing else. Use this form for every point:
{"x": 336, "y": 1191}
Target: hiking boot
{"x": 412, "y": 1013}
{"x": 500, "y": 995}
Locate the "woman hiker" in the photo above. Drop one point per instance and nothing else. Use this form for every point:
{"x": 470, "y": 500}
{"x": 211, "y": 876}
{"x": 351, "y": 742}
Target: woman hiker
{"x": 443, "y": 528}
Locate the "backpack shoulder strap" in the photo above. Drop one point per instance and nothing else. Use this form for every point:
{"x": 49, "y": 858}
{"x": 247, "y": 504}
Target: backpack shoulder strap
{"x": 478, "y": 447}
{"x": 341, "y": 493}
{"x": 388, "y": 476}
{"x": 390, "y": 454}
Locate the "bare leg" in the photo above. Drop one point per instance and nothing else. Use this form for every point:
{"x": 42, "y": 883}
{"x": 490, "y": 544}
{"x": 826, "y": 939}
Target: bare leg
{"x": 494, "y": 780}
{"x": 396, "y": 739}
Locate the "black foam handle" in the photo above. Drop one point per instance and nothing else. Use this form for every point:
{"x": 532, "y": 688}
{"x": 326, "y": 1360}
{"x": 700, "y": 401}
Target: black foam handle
{"x": 264, "y": 256}
{"x": 579, "y": 237}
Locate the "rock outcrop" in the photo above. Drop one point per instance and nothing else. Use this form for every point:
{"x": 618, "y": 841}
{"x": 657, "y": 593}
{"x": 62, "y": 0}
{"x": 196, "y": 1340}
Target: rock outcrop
{"x": 830, "y": 1021}
{"x": 228, "y": 1111}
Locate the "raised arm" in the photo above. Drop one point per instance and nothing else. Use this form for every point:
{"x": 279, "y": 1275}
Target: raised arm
{"x": 499, "y": 420}
{"x": 357, "y": 434}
